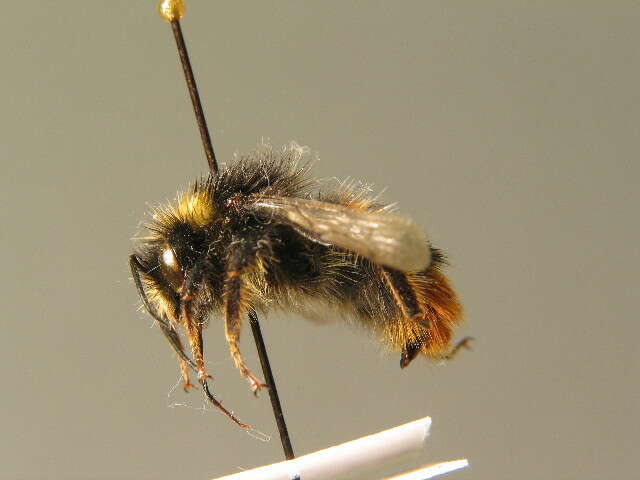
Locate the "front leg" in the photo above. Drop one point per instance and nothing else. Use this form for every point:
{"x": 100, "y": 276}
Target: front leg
{"x": 194, "y": 331}
{"x": 174, "y": 338}
{"x": 235, "y": 300}
{"x": 167, "y": 329}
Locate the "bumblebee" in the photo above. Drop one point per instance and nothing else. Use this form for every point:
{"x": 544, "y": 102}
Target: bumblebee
{"x": 261, "y": 236}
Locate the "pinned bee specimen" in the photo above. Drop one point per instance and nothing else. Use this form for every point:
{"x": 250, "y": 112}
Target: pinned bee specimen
{"x": 261, "y": 236}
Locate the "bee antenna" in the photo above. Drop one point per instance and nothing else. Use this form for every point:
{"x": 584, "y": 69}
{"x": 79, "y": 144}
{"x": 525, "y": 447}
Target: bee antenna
{"x": 172, "y": 11}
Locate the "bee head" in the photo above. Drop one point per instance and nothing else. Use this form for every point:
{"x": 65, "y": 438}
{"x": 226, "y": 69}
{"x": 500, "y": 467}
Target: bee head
{"x": 184, "y": 245}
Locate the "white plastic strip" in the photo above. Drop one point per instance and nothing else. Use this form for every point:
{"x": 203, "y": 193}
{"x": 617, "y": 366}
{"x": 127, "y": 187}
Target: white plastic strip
{"x": 344, "y": 460}
{"x": 432, "y": 471}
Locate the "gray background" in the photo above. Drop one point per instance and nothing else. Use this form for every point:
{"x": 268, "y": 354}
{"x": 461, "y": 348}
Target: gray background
{"x": 508, "y": 129}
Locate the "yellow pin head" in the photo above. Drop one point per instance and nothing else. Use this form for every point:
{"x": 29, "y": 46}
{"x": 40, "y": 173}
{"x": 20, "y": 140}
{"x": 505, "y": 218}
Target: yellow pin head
{"x": 171, "y": 10}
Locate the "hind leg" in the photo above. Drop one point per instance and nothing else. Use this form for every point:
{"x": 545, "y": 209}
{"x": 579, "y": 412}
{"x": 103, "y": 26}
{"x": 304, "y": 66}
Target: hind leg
{"x": 464, "y": 343}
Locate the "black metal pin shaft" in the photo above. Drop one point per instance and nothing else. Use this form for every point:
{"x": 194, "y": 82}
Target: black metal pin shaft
{"x": 195, "y": 97}
{"x": 271, "y": 383}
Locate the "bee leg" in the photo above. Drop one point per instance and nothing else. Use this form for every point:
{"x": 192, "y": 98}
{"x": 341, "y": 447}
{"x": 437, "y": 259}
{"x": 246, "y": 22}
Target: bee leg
{"x": 170, "y": 334}
{"x": 407, "y": 302}
{"x": 184, "y": 370}
{"x": 194, "y": 332}
{"x": 464, "y": 343}
{"x": 184, "y": 362}
{"x": 174, "y": 339}
{"x": 184, "y": 366}
{"x": 233, "y": 310}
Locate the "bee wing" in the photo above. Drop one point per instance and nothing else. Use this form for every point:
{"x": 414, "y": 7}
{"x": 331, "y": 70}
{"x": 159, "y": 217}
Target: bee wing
{"x": 381, "y": 237}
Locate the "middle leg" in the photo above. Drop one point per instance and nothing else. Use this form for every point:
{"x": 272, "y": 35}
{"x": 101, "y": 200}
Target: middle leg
{"x": 234, "y": 308}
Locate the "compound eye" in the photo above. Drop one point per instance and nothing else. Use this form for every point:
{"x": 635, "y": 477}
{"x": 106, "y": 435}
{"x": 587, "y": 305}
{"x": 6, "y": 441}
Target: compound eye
{"x": 169, "y": 259}
{"x": 171, "y": 268}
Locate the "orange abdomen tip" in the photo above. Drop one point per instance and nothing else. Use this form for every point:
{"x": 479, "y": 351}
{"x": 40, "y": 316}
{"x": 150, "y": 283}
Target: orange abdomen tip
{"x": 171, "y": 10}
